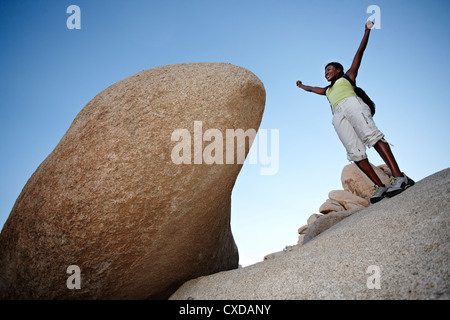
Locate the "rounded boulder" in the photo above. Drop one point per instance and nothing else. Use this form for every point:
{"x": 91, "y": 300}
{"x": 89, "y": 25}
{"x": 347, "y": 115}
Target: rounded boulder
{"x": 111, "y": 201}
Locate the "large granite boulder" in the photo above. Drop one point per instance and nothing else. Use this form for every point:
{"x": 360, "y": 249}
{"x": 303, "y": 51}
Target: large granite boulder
{"x": 114, "y": 199}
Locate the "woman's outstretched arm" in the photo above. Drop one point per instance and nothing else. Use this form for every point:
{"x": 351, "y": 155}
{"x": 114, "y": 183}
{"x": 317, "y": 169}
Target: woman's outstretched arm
{"x": 317, "y": 90}
{"x": 353, "y": 71}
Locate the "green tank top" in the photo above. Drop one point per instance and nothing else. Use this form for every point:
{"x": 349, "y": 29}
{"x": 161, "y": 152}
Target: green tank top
{"x": 340, "y": 90}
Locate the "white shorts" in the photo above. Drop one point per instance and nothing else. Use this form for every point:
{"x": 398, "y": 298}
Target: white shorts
{"x": 355, "y": 127}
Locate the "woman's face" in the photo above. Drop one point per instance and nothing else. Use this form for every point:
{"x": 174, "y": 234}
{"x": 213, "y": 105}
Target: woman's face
{"x": 331, "y": 73}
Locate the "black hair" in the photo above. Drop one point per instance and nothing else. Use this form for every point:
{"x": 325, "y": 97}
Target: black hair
{"x": 337, "y": 65}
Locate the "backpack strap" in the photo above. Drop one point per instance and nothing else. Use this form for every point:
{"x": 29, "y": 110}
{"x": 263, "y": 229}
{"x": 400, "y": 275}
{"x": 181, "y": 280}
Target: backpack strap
{"x": 349, "y": 80}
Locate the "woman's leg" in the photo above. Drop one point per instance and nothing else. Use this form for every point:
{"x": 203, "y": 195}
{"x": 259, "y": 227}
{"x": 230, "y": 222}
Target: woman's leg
{"x": 386, "y": 154}
{"x": 379, "y": 189}
{"x": 365, "y": 167}
{"x": 400, "y": 181}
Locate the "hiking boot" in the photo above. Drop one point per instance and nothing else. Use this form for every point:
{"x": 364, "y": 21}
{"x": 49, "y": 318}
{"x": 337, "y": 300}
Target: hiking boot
{"x": 398, "y": 185}
{"x": 379, "y": 193}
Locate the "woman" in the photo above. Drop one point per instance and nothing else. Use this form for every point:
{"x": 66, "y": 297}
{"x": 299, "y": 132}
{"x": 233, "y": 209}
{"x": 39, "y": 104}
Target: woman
{"x": 355, "y": 127}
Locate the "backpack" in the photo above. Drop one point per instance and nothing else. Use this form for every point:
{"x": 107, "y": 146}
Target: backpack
{"x": 361, "y": 93}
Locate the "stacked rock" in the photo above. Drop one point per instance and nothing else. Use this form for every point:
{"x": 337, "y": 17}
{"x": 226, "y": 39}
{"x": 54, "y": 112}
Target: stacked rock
{"x": 358, "y": 190}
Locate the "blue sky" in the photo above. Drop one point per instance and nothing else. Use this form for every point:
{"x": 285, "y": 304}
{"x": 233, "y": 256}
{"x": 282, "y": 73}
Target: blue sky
{"x": 48, "y": 73}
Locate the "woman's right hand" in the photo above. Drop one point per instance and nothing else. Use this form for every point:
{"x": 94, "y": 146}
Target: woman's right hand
{"x": 299, "y": 84}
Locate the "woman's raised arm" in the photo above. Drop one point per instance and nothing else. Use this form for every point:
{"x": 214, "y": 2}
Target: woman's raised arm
{"x": 353, "y": 71}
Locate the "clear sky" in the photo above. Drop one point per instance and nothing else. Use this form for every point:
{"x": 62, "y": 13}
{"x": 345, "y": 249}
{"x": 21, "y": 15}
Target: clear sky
{"x": 48, "y": 73}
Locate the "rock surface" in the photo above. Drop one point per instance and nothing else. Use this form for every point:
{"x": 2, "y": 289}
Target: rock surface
{"x": 402, "y": 242}
{"x": 348, "y": 200}
{"x": 331, "y": 206}
{"x": 326, "y": 222}
{"x": 110, "y": 200}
